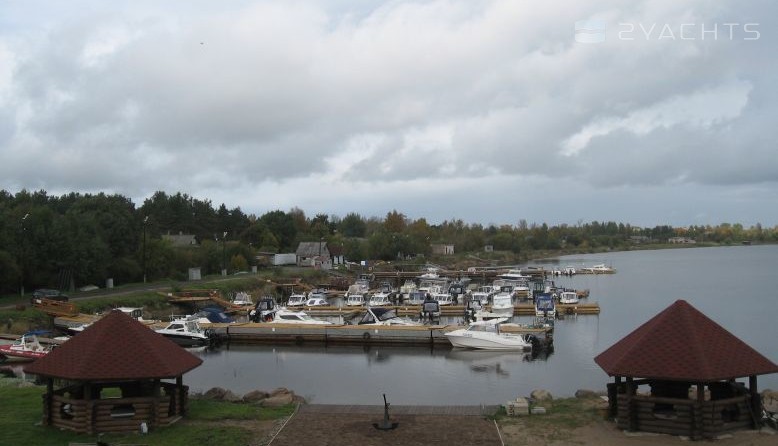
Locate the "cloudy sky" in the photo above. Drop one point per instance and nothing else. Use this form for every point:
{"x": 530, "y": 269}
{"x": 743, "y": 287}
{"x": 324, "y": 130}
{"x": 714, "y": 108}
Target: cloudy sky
{"x": 642, "y": 112}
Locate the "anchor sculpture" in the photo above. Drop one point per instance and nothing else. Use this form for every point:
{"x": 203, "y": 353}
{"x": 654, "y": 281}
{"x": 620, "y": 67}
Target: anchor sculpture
{"x": 386, "y": 425}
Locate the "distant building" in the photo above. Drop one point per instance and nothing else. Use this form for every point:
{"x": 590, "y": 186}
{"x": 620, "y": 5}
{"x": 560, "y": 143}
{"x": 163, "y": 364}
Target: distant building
{"x": 180, "y": 240}
{"x": 638, "y": 239}
{"x": 442, "y": 249}
{"x": 681, "y": 240}
{"x": 338, "y": 257}
{"x": 488, "y": 248}
{"x": 315, "y": 254}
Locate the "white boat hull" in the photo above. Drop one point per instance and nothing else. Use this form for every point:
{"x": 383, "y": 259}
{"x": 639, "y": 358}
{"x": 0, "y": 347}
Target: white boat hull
{"x": 463, "y": 339}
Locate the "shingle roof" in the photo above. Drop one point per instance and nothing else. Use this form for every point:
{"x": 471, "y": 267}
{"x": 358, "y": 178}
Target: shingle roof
{"x": 116, "y": 347}
{"x": 312, "y": 249}
{"x": 682, "y": 344}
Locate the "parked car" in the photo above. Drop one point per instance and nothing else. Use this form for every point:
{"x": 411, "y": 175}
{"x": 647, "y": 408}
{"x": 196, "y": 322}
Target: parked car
{"x": 44, "y": 293}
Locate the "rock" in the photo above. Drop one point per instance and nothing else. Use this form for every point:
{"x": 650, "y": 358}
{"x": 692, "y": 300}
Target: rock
{"x": 280, "y": 391}
{"x": 541, "y": 395}
{"x": 255, "y": 396}
{"x": 220, "y": 394}
{"x": 770, "y": 400}
{"x": 279, "y": 400}
{"x": 215, "y": 393}
{"x": 585, "y": 393}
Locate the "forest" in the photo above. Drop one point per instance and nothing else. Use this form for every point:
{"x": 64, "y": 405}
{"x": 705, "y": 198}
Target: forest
{"x": 78, "y": 239}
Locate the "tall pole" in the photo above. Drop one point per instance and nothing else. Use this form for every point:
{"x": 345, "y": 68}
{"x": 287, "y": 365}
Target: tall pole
{"x": 143, "y": 260}
{"x": 23, "y": 256}
{"x": 224, "y": 254}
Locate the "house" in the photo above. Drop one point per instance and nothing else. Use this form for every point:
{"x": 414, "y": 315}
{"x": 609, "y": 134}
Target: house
{"x": 338, "y": 258}
{"x": 315, "y": 254}
{"x": 180, "y": 240}
{"x": 442, "y": 249}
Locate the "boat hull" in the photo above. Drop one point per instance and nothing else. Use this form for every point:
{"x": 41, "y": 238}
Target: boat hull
{"x": 497, "y": 342}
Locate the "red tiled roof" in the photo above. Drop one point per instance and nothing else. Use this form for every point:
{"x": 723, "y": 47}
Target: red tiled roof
{"x": 116, "y": 347}
{"x": 682, "y": 344}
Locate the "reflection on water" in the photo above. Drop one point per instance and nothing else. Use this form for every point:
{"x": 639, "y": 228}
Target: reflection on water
{"x": 646, "y": 282}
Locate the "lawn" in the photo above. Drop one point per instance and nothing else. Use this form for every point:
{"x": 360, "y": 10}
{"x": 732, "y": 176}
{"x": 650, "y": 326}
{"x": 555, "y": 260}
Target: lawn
{"x": 208, "y": 423}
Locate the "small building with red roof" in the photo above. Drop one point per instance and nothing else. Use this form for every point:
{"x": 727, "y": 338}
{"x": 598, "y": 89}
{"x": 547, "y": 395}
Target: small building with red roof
{"x": 113, "y": 376}
{"x": 681, "y": 370}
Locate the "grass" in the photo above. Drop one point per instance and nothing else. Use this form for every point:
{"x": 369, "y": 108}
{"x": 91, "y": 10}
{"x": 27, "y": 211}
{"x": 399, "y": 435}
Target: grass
{"x": 557, "y": 424}
{"x": 207, "y": 423}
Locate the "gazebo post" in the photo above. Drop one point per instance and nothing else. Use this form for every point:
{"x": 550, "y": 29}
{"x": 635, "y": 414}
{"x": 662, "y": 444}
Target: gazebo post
{"x": 155, "y": 404}
{"x": 756, "y": 401}
{"x": 632, "y": 416}
{"x": 48, "y": 402}
{"x": 697, "y": 427}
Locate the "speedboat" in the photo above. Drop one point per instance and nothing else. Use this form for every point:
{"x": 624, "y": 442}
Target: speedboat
{"x": 296, "y": 300}
{"x": 379, "y": 299}
{"x": 384, "y": 316}
{"x": 502, "y": 302}
{"x": 415, "y": 298}
{"x": 486, "y": 335}
{"x": 26, "y": 348}
{"x": 242, "y": 299}
{"x": 484, "y": 293}
{"x": 186, "y": 332}
{"x": 568, "y": 297}
{"x": 544, "y": 306}
{"x": 284, "y": 316}
{"x": 316, "y": 302}
{"x": 355, "y": 300}
{"x": 213, "y": 315}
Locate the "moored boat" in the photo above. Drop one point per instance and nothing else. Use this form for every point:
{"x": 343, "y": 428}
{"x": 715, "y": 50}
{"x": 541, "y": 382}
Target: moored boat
{"x": 27, "y": 348}
{"x": 186, "y": 332}
{"x": 486, "y": 335}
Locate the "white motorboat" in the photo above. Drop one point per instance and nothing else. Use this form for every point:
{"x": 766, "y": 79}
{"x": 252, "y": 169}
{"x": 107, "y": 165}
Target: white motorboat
{"x": 355, "y": 300}
{"x": 486, "y": 335}
{"x": 568, "y": 297}
{"x": 407, "y": 288}
{"x": 502, "y": 302}
{"x": 384, "y": 316}
{"x": 186, "y": 332}
{"x": 242, "y": 299}
{"x": 598, "y": 269}
{"x": 379, "y": 299}
{"x": 285, "y": 316}
{"x": 296, "y": 300}
{"x": 484, "y": 293}
{"x": 415, "y": 298}
{"x": 316, "y": 302}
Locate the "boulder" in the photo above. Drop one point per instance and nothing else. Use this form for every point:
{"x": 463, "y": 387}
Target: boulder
{"x": 541, "y": 395}
{"x": 220, "y": 394}
{"x": 255, "y": 396}
{"x": 279, "y": 400}
{"x": 585, "y": 393}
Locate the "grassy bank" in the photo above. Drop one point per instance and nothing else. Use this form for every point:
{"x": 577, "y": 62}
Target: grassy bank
{"x": 208, "y": 423}
{"x": 562, "y": 417}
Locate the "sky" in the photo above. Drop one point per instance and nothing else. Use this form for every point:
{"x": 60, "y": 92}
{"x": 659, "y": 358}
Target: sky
{"x": 491, "y": 112}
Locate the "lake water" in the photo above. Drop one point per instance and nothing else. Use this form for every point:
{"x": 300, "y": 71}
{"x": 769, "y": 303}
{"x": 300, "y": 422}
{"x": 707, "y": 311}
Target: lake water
{"x": 735, "y": 286}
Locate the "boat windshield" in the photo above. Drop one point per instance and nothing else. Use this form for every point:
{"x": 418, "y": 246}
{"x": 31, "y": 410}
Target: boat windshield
{"x": 488, "y": 328}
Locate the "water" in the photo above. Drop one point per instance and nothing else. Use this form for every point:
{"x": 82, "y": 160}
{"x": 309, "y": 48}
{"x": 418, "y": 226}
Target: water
{"x": 735, "y": 286}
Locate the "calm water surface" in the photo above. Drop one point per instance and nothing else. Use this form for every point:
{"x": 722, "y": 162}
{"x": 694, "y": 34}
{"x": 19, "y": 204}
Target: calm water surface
{"x": 735, "y": 286}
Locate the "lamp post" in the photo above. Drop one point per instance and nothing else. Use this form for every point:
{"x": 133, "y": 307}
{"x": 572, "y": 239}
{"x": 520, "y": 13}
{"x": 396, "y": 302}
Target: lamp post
{"x": 224, "y": 254}
{"x": 143, "y": 259}
{"x": 23, "y": 257}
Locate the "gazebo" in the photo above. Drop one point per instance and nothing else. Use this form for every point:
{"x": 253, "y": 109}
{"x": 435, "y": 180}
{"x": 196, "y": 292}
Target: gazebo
{"x": 689, "y": 365}
{"x": 112, "y": 374}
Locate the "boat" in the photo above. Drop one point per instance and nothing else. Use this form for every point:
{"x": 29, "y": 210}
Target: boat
{"x": 355, "y": 300}
{"x": 415, "y": 298}
{"x": 242, "y": 299}
{"x": 27, "y": 348}
{"x": 486, "y": 335}
{"x": 513, "y": 275}
{"x": 264, "y": 311}
{"x": 285, "y": 316}
{"x": 133, "y": 312}
{"x": 296, "y": 300}
{"x": 213, "y": 315}
{"x": 502, "y": 302}
{"x": 407, "y": 288}
{"x": 384, "y": 316}
{"x": 475, "y": 310}
{"x": 484, "y": 293}
{"x": 544, "y": 306}
{"x": 568, "y": 297}
{"x": 316, "y": 302}
{"x": 379, "y": 299}
{"x": 598, "y": 269}
{"x": 186, "y": 332}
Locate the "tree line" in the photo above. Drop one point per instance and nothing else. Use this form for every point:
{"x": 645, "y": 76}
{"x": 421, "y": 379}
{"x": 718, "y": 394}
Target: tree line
{"x": 78, "y": 239}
